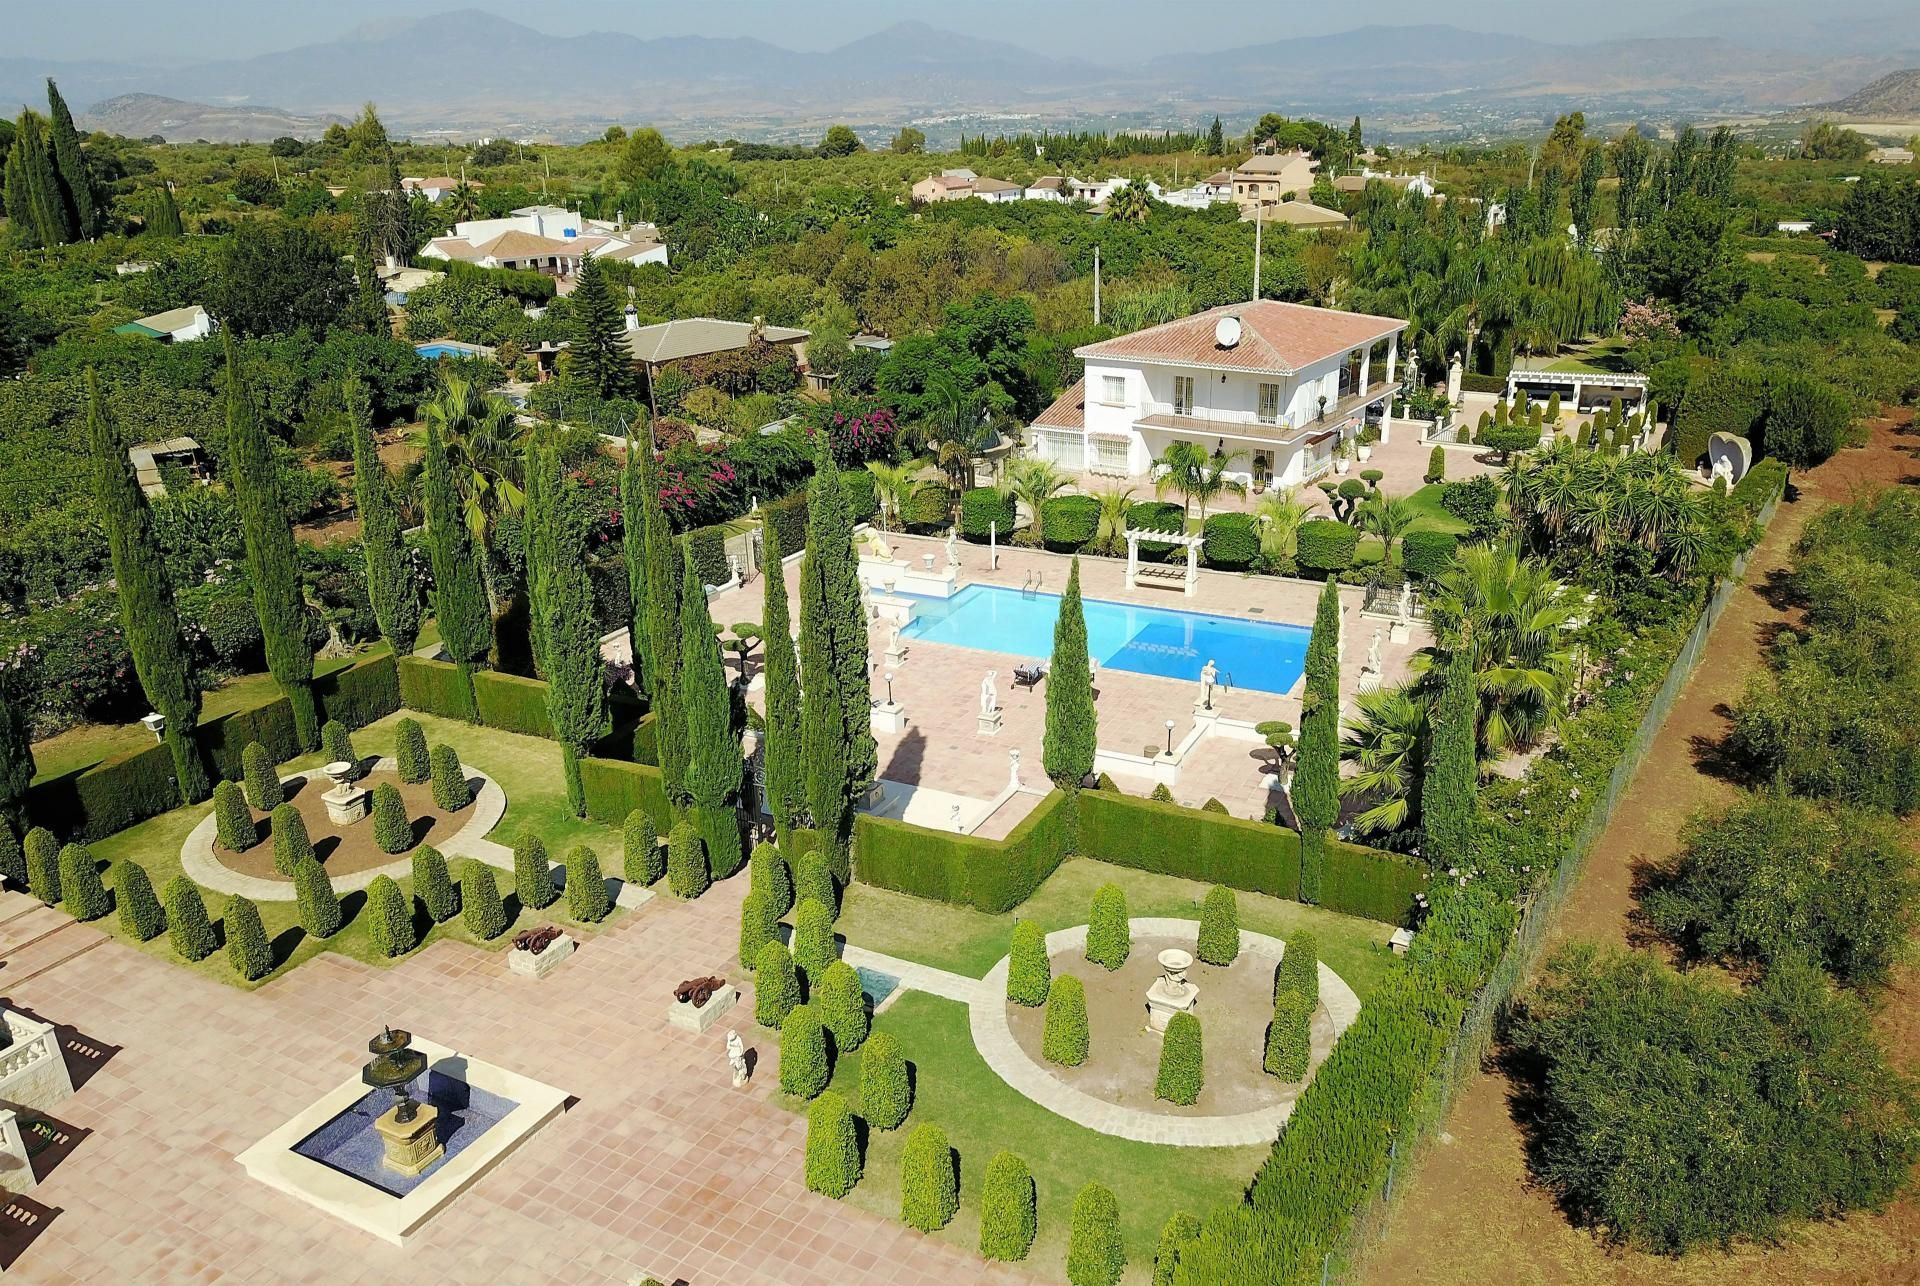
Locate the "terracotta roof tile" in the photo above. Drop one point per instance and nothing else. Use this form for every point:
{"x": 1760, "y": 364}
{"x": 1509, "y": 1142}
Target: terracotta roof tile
{"x": 1275, "y": 336}
{"x": 1069, "y": 410}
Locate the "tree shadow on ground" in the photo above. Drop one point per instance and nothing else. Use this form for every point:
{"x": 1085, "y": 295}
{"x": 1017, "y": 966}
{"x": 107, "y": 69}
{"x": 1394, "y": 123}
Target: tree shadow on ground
{"x": 908, "y": 757}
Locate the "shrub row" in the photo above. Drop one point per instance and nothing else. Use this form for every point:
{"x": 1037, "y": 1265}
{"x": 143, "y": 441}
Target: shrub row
{"x": 988, "y": 875}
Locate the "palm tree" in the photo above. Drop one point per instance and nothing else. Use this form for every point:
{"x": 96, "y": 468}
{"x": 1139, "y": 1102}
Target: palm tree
{"x": 892, "y": 485}
{"x": 1280, "y": 512}
{"x": 1388, "y": 518}
{"x": 1518, "y": 615}
{"x": 463, "y": 200}
{"x": 1110, "y": 531}
{"x": 1130, "y": 203}
{"x": 1187, "y": 468}
{"x": 485, "y": 446}
{"x": 952, "y": 428}
{"x": 1387, "y": 742}
{"x": 1034, "y": 482}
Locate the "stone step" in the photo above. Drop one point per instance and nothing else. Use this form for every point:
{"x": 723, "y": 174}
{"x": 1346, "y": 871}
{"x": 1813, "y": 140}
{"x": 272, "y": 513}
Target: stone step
{"x": 49, "y": 950}
{"x": 22, "y": 925}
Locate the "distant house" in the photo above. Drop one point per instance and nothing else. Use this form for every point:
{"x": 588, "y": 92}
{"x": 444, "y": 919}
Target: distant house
{"x": 1208, "y": 191}
{"x": 997, "y": 190}
{"x": 671, "y": 341}
{"x": 175, "y": 326}
{"x": 1300, "y": 214}
{"x": 942, "y": 187}
{"x": 1794, "y": 227}
{"x": 150, "y": 458}
{"x": 1270, "y": 178}
{"x": 1052, "y": 187}
{"x": 1891, "y": 156}
{"x": 547, "y": 239}
{"x": 438, "y": 188}
{"x": 1421, "y": 183}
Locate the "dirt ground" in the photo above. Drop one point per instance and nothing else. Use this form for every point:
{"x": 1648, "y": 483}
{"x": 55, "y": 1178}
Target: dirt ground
{"x": 344, "y": 851}
{"x": 1517, "y": 1233}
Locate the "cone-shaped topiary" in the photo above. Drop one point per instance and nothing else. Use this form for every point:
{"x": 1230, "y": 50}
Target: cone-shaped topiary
{"x": 767, "y": 874}
{"x": 82, "y": 894}
{"x": 587, "y": 899}
{"x": 1289, "y": 1036}
{"x": 392, "y": 829}
{"x": 775, "y": 988}
{"x": 262, "y": 777}
{"x": 13, "y": 862}
{"x": 247, "y": 949}
{"x": 812, "y": 941}
{"x": 410, "y": 756}
{"x": 336, "y": 744}
{"x": 833, "y": 1147}
{"x": 803, "y": 1053}
{"x": 390, "y": 918}
{"x": 1095, "y": 1254}
{"x": 433, "y": 886}
{"x": 290, "y": 843}
{"x": 643, "y": 861}
{"x": 1007, "y": 1222}
{"x": 187, "y": 924}
{"x": 1064, "y": 1039}
{"x": 1300, "y": 969}
{"x": 1160, "y": 794}
{"x": 842, "y": 1006}
{"x": 813, "y": 878}
{"x": 480, "y": 908}
{"x": 1180, "y": 1231}
{"x": 1181, "y": 1074}
{"x": 1029, "y": 974}
{"x": 449, "y": 780}
{"x": 533, "y": 872}
{"x": 686, "y": 862}
{"x": 140, "y": 914}
{"x": 319, "y": 906}
{"x": 43, "y": 865}
{"x": 886, "y": 1087}
{"x": 1219, "y": 927}
{"x": 1108, "y": 937}
{"x": 233, "y": 822}
{"x": 929, "y": 1189}
{"x": 757, "y": 928}
{"x": 1436, "y": 466}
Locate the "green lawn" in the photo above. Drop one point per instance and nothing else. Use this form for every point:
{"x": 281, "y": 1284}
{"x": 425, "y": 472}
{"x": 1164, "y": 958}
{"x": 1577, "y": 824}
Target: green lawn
{"x": 1426, "y": 502}
{"x": 969, "y": 942}
{"x": 1601, "y": 357}
{"x": 982, "y": 1115}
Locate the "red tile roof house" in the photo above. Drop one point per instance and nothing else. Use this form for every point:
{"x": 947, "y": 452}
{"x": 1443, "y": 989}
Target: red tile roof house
{"x": 1277, "y": 385}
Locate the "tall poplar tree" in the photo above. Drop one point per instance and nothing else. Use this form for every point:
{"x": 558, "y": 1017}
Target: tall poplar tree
{"x": 1316, "y": 785}
{"x": 836, "y": 695}
{"x": 636, "y": 480}
{"x": 82, "y": 202}
{"x": 148, "y": 614}
{"x": 163, "y": 213}
{"x": 664, "y": 587}
{"x": 713, "y": 748}
{"x": 1453, "y": 766}
{"x": 564, "y": 625}
{"x": 273, "y": 564}
{"x": 390, "y": 588}
{"x": 1072, "y": 721}
{"x": 601, "y": 359}
{"x": 459, "y": 597}
{"x": 786, "y": 779}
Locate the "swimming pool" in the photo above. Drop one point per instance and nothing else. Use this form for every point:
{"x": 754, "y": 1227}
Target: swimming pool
{"x": 1263, "y": 655}
{"x": 434, "y": 352}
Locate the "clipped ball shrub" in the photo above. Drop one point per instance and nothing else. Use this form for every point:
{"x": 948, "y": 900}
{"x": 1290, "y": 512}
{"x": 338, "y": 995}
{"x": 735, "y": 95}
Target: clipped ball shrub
{"x": 432, "y": 884}
{"x": 1436, "y": 472}
{"x": 140, "y": 915}
{"x": 812, "y": 940}
{"x": 1181, "y": 1069}
{"x": 187, "y": 925}
{"x": 480, "y": 907}
{"x": 1095, "y": 1254}
{"x": 803, "y": 1053}
{"x": 82, "y": 895}
{"x": 247, "y": 949}
{"x": 1007, "y": 1220}
{"x": 767, "y": 875}
{"x": 842, "y": 1006}
{"x": 410, "y": 757}
{"x": 318, "y": 905}
{"x": 758, "y": 927}
{"x": 929, "y": 1186}
{"x": 587, "y": 899}
{"x": 43, "y": 865}
{"x": 533, "y": 872}
{"x": 262, "y": 777}
{"x": 449, "y": 780}
{"x": 983, "y": 512}
{"x": 886, "y": 1087}
{"x": 833, "y": 1146}
{"x": 687, "y": 873}
{"x": 1428, "y": 554}
{"x": 776, "y": 988}
{"x": 1064, "y": 1038}
{"x": 1289, "y": 1037}
{"x": 1324, "y": 545}
{"x": 336, "y": 744}
{"x": 1231, "y": 541}
{"x": 1219, "y": 927}
{"x": 1180, "y": 1231}
{"x": 291, "y": 846}
{"x": 392, "y": 828}
{"x": 1300, "y": 969}
{"x": 390, "y": 918}
{"x": 640, "y": 848}
{"x": 1029, "y": 973}
{"x": 1108, "y": 937}
{"x": 814, "y": 879}
{"x": 233, "y": 822}
{"x": 1069, "y": 522}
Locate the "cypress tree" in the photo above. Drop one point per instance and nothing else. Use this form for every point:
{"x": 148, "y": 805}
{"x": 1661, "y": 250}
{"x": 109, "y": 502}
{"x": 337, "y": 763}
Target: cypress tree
{"x": 82, "y": 895}
{"x": 836, "y": 731}
{"x": 40, "y": 213}
{"x": 1219, "y": 927}
{"x": 564, "y": 621}
{"x": 13, "y": 862}
{"x": 843, "y": 1006}
{"x": 369, "y": 312}
{"x": 163, "y": 213}
{"x": 1007, "y": 1221}
{"x": 776, "y": 988}
{"x": 813, "y": 945}
{"x": 1316, "y": 785}
{"x": 16, "y": 756}
{"x": 247, "y": 949}
{"x": 1029, "y": 971}
{"x": 291, "y": 844}
{"x": 318, "y": 904}
{"x": 768, "y": 876}
{"x": 814, "y": 881}
{"x": 1181, "y": 1062}
{"x": 390, "y": 588}
{"x": 273, "y": 565}
{"x": 587, "y": 899}
{"x": 1179, "y": 1232}
{"x": 533, "y": 872}
{"x": 886, "y": 1090}
{"x": 390, "y": 918}
{"x": 19, "y": 197}
{"x": 641, "y": 844}
{"x": 233, "y": 820}
{"x": 1072, "y": 722}
{"x": 392, "y": 828}
{"x": 635, "y": 485}
{"x": 804, "y": 1068}
{"x": 459, "y": 597}
{"x": 432, "y": 885}
{"x": 450, "y": 788}
{"x": 410, "y": 756}
{"x": 833, "y": 1148}
{"x": 688, "y": 874}
{"x": 480, "y": 908}
{"x": 713, "y": 748}
{"x": 262, "y": 777}
{"x": 148, "y": 614}
{"x": 785, "y": 778}
{"x": 43, "y": 865}
{"x": 601, "y": 360}
{"x": 140, "y": 916}
{"x": 76, "y": 183}
{"x": 664, "y": 587}
{"x": 1447, "y": 793}
{"x": 758, "y": 927}
{"x": 336, "y": 743}
{"x": 1096, "y": 1255}
{"x": 187, "y": 923}
{"x": 929, "y": 1189}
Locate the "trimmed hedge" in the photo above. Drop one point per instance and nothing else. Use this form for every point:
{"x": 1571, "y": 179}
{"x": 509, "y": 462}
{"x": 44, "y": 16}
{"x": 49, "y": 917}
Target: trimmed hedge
{"x": 1181, "y": 1065}
{"x": 758, "y": 927}
{"x": 450, "y": 789}
{"x": 842, "y": 1006}
{"x": 533, "y": 872}
{"x": 82, "y": 895}
{"x": 233, "y": 824}
{"x": 1299, "y": 969}
{"x": 687, "y": 872}
{"x": 984, "y": 511}
{"x": 512, "y": 703}
{"x": 187, "y": 924}
{"x": 1156, "y": 515}
{"x": 390, "y": 918}
{"x": 432, "y": 687}
{"x": 1232, "y": 541}
{"x": 812, "y": 941}
{"x": 261, "y": 778}
{"x": 642, "y": 861}
{"x": 987, "y": 875}
{"x": 318, "y": 904}
{"x": 833, "y": 1148}
{"x": 1219, "y": 927}
{"x": 410, "y": 757}
{"x": 929, "y": 1181}
{"x": 788, "y": 516}
{"x": 776, "y": 990}
{"x": 392, "y": 828}
{"x": 1069, "y": 522}
{"x": 43, "y": 865}
{"x": 1323, "y": 545}
{"x": 433, "y": 885}
{"x": 813, "y": 879}
{"x": 1109, "y": 938}
{"x": 925, "y": 508}
{"x": 768, "y": 876}
{"x": 140, "y": 915}
{"x": 291, "y": 844}
{"x": 1063, "y": 1039}
{"x": 480, "y": 907}
{"x": 1029, "y": 972}
{"x": 587, "y": 899}
{"x": 1175, "y": 1236}
{"x": 336, "y": 744}
{"x": 708, "y": 545}
{"x": 1289, "y": 1037}
{"x": 886, "y": 1089}
{"x": 615, "y": 788}
{"x": 1007, "y": 1220}
{"x": 247, "y": 949}
{"x": 803, "y": 1053}
{"x": 1096, "y": 1255}
{"x": 1428, "y": 554}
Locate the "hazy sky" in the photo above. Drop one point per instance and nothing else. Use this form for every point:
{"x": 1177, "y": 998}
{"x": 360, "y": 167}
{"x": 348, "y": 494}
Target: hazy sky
{"x": 143, "y": 30}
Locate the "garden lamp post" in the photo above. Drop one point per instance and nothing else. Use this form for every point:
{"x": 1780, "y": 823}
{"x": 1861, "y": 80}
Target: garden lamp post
{"x": 1169, "y": 736}
{"x": 889, "y": 687}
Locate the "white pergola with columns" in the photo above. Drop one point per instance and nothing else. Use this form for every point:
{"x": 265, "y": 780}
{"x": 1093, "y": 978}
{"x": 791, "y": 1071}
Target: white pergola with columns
{"x": 1190, "y": 579}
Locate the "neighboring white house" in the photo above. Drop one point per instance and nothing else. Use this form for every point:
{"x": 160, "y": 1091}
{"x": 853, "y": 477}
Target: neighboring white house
{"x": 998, "y": 191}
{"x": 437, "y": 188}
{"x": 1794, "y": 227}
{"x": 1421, "y": 183}
{"x": 175, "y": 326}
{"x": 1051, "y": 187}
{"x": 1270, "y": 178}
{"x": 1278, "y": 385}
{"x": 548, "y": 239}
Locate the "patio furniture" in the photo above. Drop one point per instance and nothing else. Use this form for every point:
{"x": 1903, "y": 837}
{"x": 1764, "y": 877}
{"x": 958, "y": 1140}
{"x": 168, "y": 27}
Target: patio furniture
{"x": 1029, "y": 676}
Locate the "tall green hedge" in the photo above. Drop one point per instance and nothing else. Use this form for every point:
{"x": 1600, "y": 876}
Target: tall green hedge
{"x": 616, "y": 788}
{"x": 1428, "y": 554}
{"x": 1324, "y": 545}
{"x": 988, "y": 875}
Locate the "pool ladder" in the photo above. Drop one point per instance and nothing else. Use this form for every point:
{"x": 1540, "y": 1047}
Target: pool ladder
{"x": 1031, "y": 585}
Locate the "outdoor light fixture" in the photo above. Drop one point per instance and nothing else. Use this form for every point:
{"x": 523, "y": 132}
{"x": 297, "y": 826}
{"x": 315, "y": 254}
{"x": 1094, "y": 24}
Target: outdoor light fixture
{"x": 1169, "y": 736}
{"x": 156, "y": 723}
{"x": 889, "y": 687}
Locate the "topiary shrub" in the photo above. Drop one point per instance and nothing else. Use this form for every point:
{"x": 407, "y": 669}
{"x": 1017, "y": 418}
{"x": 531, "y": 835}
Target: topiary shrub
{"x": 886, "y": 1087}
{"x": 290, "y": 843}
{"x": 1069, "y": 522}
{"x": 687, "y": 873}
{"x": 587, "y": 899}
{"x": 1428, "y": 555}
{"x": 1219, "y": 927}
{"x": 449, "y": 780}
{"x": 767, "y": 875}
{"x": 1029, "y": 972}
{"x": 1213, "y": 806}
{"x": 1007, "y": 1222}
{"x": 410, "y": 757}
{"x": 480, "y": 907}
{"x": 1289, "y": 1037}
{"x": 1436, "y": 472}
{"x": 140, "y": 915}
{"x": 776, "y": 989}
{"x": 433, "y": 886}
{"x": 389, "y": 918}
{"x": 1231, "y": 541}
{"x": 1180, "y": 1231}
{"x": 842, "y": 1006}
{"x": 833, "y": 1146}
{"x": 929, "y": 1185}
{"x": 1160, "y": 794}
{"x": 262, "y": 777}
{"x": 392, "y": 828}
{"x": 1300, "y": 969}
{"x": 925, "y": 508}
{"x": 1324, "y": 545}
{"x": 812, "y": 940}
{"x": 43, "y": 865}
{"x": 247, "y": 949}
{"x": 803, "y": 1053}
{"x": 1157, "y": 515}
{"x": 1095, "y": 1254}
{"x": 983, "y": 511}
{"x": 533, "y": 872}
{"x": 758, "y": 927}
{"x": 1181, "y": 1074}
{"x": 233, "y": 822}
{"x": 82, "y": 895}
{"x": 813, "y": 879}
{"x": 187, "y": 925}
{"x": 318, "y": 905}
{"x": 1064, "y": 1038}
{"x": 1372, "y": 478}
{"x": 1108, "y": 937}
{"x": 640, "y": 848}
{"x": 1106, "y": 783}
{"x": 336, "y": 744}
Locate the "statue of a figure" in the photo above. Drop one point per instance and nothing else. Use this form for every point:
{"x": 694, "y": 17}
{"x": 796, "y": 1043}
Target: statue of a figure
{"x": 988, "y": 702}
{"x": 1209, "y": 675}
{"x": 737, "y": 1058}
{"x": 1373, "y": 653}
{"x": 1406, "y": 602}
{"x": 953, "y": 559}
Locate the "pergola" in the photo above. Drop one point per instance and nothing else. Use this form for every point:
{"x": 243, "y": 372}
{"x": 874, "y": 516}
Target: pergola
{"x": 1190, "y": 579}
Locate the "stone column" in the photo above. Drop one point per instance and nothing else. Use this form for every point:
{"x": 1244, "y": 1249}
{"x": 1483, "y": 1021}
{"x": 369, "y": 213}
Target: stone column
{"x": 1577, "y": 386}
{"x": 1393, "y": 358}
{"x": 1366, "y": 368}
{"x": 1193, "y": 569}
{"x": 1133, "y": 558}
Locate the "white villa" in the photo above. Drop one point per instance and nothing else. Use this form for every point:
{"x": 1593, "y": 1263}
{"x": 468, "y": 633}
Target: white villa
{"x": 1278, "y": 385}
{"x": 548, "y": 239}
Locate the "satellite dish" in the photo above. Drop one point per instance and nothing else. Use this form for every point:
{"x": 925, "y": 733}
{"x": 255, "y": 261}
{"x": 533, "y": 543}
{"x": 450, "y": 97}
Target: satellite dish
{"x": 1226, "y": 331}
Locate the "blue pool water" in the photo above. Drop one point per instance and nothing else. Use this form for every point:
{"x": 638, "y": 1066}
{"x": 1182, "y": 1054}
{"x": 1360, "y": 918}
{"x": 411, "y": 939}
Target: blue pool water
{"x": 876, "y": 986}
{"x": 434, "y": 352}
{"x": 348, "y": 1143}
{"x": 1266, "y": 656}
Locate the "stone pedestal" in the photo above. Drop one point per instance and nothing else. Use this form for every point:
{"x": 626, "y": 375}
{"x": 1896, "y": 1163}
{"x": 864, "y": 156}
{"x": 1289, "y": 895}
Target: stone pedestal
{"x": 989, "y": 724}
{"x": 1369, "y": 679}
{"x": 531, "y": 965}
{"x": 698, "y": 1018}
{"x": 1171, "y": 993}
{"x": 896, "y": 654}
{"x": 1399, "y": 632}
{"x": 411, "y": 1146}
{"x": 347, "y": 804}
{"x": 889, "y": 717}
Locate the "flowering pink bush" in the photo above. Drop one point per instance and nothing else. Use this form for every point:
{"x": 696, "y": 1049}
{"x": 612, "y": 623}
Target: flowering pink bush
{"x": 1645, "y": 321}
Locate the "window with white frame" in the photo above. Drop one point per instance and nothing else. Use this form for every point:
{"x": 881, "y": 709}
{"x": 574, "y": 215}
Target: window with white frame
{"x": 1113, "y": 389}
{"x": 1109, "y": 454}
{"x": 1062, "y": 446}
{"x": 1269, "y": 403}
{"x": 1183, "y": 395}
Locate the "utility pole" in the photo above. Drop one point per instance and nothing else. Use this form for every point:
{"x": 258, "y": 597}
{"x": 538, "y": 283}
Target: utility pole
{"x": 1258, "y": 210}
{"x": 1096, "y": 285}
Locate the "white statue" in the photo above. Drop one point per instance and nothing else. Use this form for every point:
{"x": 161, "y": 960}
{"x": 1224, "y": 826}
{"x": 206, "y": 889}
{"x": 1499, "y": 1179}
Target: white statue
{"x": 737, "y": 1058}
{"x": 733, "y": 568}
{"x": 1209, "y": 675}
{"x": 1406, "y": 602}
{"x": 988, "y": 702}
{"x": 953, "y": 559}
{"x": 1373, "y": 653}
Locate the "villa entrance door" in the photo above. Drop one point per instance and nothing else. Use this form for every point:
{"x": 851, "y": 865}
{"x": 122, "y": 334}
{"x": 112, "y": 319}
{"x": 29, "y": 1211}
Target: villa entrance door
{"x": 1262, "y": 469}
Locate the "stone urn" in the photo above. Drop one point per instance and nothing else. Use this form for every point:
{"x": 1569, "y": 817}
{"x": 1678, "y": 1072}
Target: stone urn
{"x": 1171, "y": 993}
{"x": 346, "y": 803}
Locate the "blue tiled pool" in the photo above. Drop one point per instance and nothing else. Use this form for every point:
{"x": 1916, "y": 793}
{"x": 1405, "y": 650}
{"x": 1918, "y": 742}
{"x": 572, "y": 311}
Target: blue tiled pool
{"x": 348, "y": 1143}
{"x": 434, "y": 352}
{"x": 1266, "y": 656}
